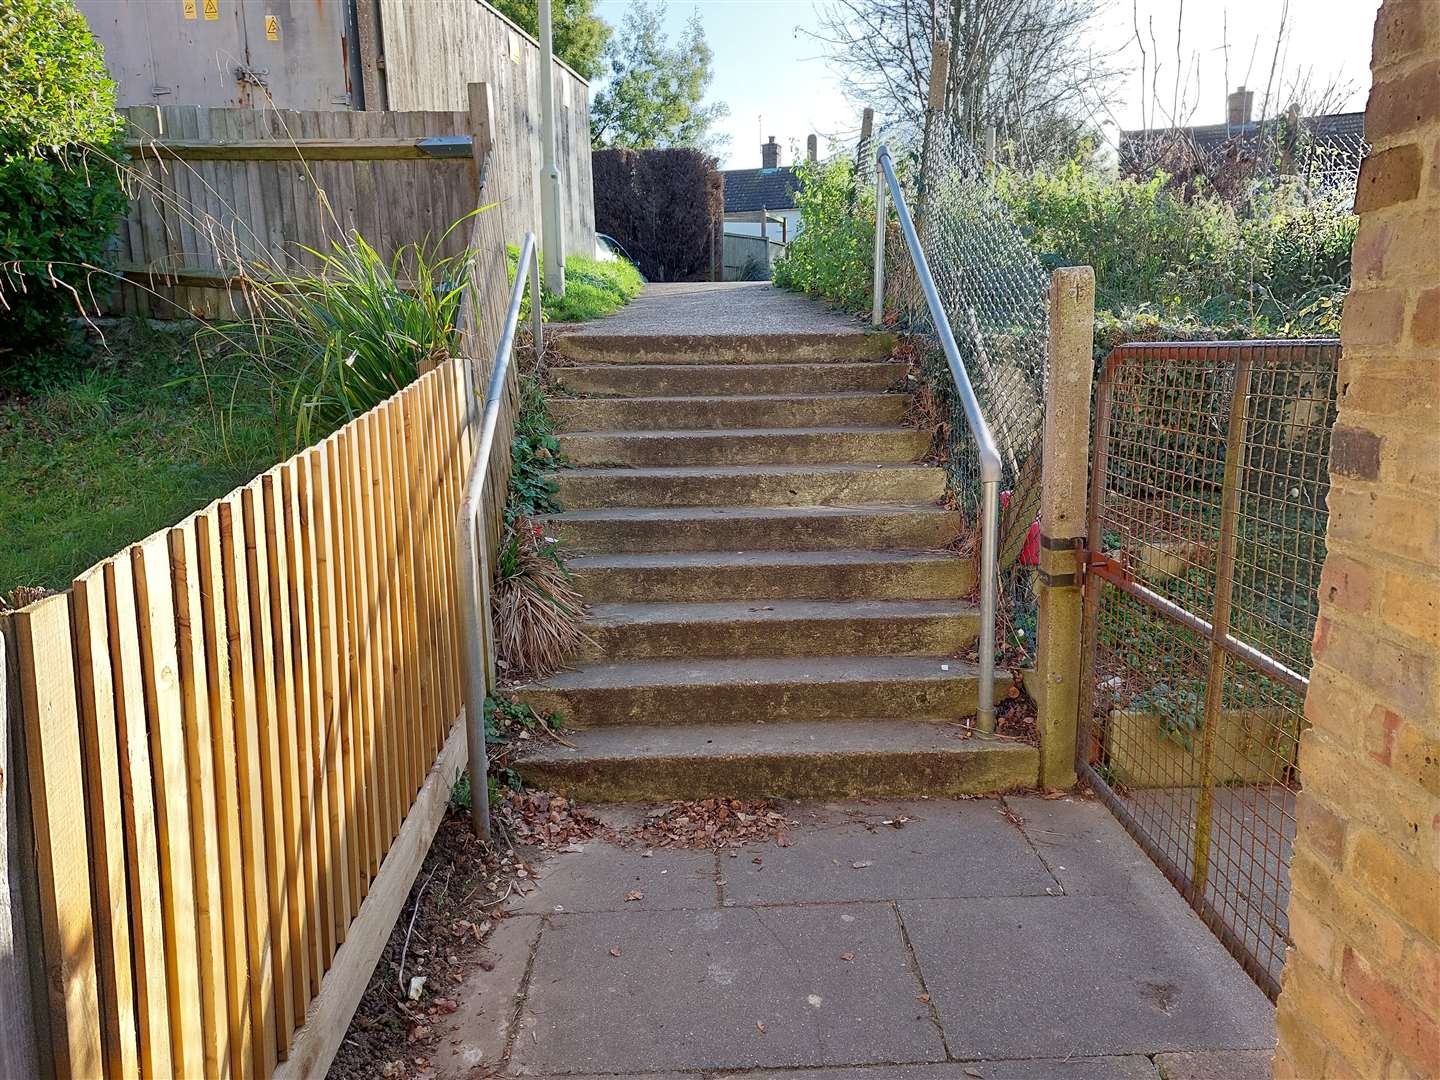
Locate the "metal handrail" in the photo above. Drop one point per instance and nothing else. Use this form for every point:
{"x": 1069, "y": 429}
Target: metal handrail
{"x": 989, "y": 452}
{"x": 478, "y": 656}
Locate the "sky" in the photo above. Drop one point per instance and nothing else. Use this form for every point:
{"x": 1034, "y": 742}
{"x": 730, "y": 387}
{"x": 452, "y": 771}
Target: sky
{"x": 777, "y": 82}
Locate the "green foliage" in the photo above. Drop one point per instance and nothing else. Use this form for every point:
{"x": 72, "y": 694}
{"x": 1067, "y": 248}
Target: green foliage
{"x": 1273, "y": 264}
{"x": 507, "y": 723}
{"x": 579, "y": 35}
{"x": 831, "y": 257}
{"x": 654, "y": 94}
{"x": 666, "y": 207}
{"x": 57, "y": 93}
{"x": 593, "y": 289}
{"x": 131, "y": 446}
{"x": 336, "y": 340}
{"x": 59, "y": 187}
{"x": 534, "y": 453}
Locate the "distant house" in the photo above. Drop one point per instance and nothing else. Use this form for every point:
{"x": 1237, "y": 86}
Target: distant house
{"x": 761, "y": 202}
{"x": 1331, "y": 142}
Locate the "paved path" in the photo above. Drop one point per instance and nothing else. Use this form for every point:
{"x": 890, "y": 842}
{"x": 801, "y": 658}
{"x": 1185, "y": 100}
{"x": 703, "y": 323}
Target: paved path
{"x": 720, "y": 307}
{"x": 1015, "y": 939}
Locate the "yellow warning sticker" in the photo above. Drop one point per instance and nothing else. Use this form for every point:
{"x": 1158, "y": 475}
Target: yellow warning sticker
{"x": 212, "y": 10}
{"x": 188, "y": 6}
{"x": 514, "y": 48}
{"x": 272, "y": 28}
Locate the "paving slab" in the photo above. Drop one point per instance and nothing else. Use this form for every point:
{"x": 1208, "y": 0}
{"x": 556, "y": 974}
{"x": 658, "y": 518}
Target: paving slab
{"x": 1085, "y": 847}
{"x": 929, "y": 849}
{"x": 1217, "y": 1065}
{"x": 720, "y": 307}
{"x": 602, "y": 877}
{"x": 1082, "y": 975}
{"x": 474, "y": 1034}
{"x": 1097, "y": 1068}
{"x": 730, "y": 989}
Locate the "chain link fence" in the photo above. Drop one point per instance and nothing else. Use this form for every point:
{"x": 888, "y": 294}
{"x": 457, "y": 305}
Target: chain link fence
{"x": 996, "y": 297}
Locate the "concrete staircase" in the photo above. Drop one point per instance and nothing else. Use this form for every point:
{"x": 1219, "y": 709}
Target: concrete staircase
{"x": 773, "y": 610}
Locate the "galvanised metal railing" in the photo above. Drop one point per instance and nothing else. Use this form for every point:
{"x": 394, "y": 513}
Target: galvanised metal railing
{"x": 478, "y": 656}
{"x": 988, "y": 451}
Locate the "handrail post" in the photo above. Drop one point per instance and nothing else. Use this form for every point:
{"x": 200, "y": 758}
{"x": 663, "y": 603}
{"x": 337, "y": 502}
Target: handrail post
{"x": 473, "y": 570}
{"x": 989, "y": 584}
{"x": 537, "y": 323}
{"x": 877, "y": 306}
{"x": 986, "y": 448}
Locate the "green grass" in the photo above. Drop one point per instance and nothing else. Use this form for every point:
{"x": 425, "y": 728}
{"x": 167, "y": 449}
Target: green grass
{"x": 593, "y": 289}
{"x": 130, "y": 447}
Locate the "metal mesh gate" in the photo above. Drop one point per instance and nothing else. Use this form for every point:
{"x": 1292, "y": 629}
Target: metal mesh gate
{"x": 1206, "y": 541}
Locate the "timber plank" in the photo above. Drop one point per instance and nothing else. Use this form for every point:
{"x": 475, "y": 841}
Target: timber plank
{"x": 272, "y": 799}
{"x": 221, "y": 730}
{"x": 55, "y": 764}
{"x": 195, "y": 697}
{"x": 141, "y": 840}
{"x": 101, "y": 750}
{"x": 235, "y": 550}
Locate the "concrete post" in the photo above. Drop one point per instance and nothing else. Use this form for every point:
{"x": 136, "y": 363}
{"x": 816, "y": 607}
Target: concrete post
{"x": 1064, "y": 476}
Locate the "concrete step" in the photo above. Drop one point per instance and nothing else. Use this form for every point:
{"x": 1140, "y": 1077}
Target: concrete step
{"x": 733, "y": 690}
{"x": 810, "y": 760}
{"x": 760, "y": 410}
{"x": 773, "y": 575}
{"x": 725, "y": 348}
{"x": 689, "y": 380}
{"x": 650, "y": 631}
{"x": 746, "y": 446}
{"x": 748, "y": 485}
{"x": 755, "y": 528}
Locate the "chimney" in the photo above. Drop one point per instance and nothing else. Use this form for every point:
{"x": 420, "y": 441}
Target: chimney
{"x": 811, "y": 147}
{"x": 770, "y": 154}
{"x": 1239, "y": 104}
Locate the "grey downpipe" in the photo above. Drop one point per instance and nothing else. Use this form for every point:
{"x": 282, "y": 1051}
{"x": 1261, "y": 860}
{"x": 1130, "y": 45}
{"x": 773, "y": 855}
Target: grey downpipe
{"x": 473, "y": 567}
{"x": 989, "y": 453}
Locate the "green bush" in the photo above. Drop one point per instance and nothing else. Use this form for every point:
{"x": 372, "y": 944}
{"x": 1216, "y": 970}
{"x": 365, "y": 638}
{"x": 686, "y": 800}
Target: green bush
{"x": 832, "y": 255}
{"x": 60, "y": 191}
{"x": 1274, "y": 264}
{"x": 334, "y": 341}
{"x": 593, "y": 289}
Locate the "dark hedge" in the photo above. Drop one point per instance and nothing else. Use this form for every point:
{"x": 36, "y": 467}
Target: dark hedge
{"x": 666, "y": 207}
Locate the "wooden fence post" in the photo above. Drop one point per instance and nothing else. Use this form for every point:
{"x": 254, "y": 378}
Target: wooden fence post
{"x": 19, "y": 1039}
{"x": 1064, "y": 475}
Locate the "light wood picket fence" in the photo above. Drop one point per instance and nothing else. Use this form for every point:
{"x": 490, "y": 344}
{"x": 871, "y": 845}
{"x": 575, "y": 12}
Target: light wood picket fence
{"x": 232, "y": 742}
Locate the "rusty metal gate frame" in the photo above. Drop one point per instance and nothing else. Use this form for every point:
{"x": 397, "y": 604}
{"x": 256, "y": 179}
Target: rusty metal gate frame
{"x": 1245, "y": 365}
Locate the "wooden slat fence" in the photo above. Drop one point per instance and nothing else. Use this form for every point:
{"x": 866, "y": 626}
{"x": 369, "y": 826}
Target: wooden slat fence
{"x": 237, "y": 737}
{"x": 243, "y": 189}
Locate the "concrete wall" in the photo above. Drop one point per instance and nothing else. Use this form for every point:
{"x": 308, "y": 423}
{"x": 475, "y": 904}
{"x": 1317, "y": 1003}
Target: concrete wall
{"x": 1361, "y": 992}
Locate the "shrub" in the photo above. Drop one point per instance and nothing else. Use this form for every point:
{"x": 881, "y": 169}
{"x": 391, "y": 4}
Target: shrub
{"x": 666, "y": 207}
{"x": 337, "y": 340}
{"x": 593, "y": 289}
{"x": 831, "y": 256}
{"x": 60, "y": 191}
{"x": 1273, "y": 263}
{"x": 537, "y": 611}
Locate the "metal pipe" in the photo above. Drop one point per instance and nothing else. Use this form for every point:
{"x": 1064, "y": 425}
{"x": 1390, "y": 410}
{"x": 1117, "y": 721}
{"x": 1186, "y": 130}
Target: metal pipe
{"x": 472, "y": 567}
{"x": 979, "y": 428}
{"x": 877, "y": 307}
{"x": 552, "y": 228}
{"x": 988, "y": 452}
{"x": 989, "y": 540}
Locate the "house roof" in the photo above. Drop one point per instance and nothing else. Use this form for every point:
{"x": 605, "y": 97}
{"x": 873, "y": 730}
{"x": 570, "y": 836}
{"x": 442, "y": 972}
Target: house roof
{"x": 760, "y": 189}
{"x": 1327, "y": 127}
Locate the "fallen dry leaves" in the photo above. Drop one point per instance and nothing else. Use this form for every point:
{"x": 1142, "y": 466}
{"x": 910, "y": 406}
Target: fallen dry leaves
{"x": 710, "y": 823}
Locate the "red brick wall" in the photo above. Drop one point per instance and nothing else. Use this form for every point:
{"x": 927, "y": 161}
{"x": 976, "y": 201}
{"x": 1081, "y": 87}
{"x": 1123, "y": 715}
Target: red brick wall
{"x": 1361, "y": 991}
